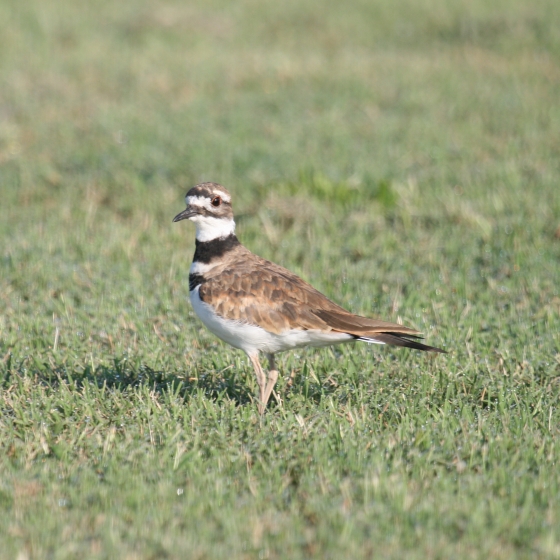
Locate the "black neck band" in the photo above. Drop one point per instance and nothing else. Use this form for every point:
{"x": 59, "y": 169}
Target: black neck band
{"x": 209, "y": 250}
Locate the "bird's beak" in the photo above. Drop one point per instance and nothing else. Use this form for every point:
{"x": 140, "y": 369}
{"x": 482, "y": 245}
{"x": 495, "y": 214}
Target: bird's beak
{"x": 185, "y": 214}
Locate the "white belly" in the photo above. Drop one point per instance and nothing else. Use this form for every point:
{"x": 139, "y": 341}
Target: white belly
{"x": 252, "y": 339}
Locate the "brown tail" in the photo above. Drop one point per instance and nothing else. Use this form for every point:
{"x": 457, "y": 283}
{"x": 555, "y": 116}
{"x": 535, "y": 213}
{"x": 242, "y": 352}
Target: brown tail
{"x": 374, "y": 330}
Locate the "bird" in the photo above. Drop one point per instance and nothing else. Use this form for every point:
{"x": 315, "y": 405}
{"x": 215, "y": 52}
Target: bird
{"x": 263, "y": 308}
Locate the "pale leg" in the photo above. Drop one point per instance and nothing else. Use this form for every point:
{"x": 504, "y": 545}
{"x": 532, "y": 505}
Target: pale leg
{"x": 272, "y": 378}
{"x": 261, "y": 381}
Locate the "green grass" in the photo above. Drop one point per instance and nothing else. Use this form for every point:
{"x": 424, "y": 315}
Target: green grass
{"x": 403, "y": 157}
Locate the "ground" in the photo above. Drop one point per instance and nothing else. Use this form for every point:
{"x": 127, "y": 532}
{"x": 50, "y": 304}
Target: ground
{"x": 402, "y": 157}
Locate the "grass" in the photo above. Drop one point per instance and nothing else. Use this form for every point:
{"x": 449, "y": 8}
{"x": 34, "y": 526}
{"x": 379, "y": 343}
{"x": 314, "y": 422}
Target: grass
{"x": 402, "y": 157}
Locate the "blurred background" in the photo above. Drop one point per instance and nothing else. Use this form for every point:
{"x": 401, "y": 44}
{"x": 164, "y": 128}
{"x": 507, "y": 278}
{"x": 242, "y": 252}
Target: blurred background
{"x": 411, "y": 142}
{"x": 401, "y": 156}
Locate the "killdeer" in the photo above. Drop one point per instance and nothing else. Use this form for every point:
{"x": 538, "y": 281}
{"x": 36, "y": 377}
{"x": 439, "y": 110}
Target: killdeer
{"x": 258, "y": 306}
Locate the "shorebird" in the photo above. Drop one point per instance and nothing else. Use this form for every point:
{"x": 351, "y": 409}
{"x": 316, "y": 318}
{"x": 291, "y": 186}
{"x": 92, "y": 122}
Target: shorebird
{"x": 258, "y": 306}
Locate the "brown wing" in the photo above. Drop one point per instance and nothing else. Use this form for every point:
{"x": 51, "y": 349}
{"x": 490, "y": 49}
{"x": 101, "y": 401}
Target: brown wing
{"x": 258, "y": 292}
{"x": 261, "y": 293}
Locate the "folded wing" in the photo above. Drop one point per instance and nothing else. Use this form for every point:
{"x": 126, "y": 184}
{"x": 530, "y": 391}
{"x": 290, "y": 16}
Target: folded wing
{"x": 267, "y": 295}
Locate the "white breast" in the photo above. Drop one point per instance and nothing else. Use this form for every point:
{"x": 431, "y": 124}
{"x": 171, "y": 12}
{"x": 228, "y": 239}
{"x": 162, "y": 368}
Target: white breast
{"x": 252, "y": 339}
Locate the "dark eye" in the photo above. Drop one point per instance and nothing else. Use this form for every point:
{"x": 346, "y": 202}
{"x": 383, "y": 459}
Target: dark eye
{"x": 216, "y": 201}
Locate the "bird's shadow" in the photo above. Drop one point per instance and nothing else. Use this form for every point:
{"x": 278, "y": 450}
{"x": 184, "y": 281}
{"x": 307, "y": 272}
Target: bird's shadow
{"x": 216, "y": 384}
{"x": 121, "y": 375}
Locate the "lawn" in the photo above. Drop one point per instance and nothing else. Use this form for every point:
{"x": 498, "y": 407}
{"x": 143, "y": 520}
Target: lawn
{"x": 403, "y": 157}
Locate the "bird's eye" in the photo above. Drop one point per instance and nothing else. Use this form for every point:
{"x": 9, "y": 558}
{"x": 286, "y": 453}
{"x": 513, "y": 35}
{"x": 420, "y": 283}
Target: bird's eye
{"x": 216, "y": 201}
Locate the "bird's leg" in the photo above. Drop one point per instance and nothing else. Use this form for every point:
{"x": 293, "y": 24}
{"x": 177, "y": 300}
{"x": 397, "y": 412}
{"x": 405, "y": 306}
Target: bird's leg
{"x": 272, "y": 378}
{"x": 261, "y": 381}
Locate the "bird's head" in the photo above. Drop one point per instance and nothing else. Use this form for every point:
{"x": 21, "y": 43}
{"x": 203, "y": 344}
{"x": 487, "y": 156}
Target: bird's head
{"x": 209, "y": 207}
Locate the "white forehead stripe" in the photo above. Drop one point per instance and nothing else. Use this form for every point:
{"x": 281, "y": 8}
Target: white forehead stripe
{"x": 204, "y": 201}
{"x": 199, "y": 201}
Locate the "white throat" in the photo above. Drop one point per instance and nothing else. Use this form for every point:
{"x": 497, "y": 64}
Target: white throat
{"x": 208, "y": 228}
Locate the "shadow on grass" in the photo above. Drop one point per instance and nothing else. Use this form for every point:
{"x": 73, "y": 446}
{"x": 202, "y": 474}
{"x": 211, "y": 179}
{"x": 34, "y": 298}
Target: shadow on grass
{"x": 123, "y": 375}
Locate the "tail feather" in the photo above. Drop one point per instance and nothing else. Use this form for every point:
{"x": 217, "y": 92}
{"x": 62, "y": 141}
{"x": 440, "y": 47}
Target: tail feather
{"x": 398, "y": 339}
{"x": 374, "y": 330}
